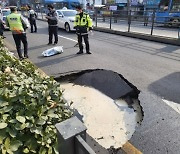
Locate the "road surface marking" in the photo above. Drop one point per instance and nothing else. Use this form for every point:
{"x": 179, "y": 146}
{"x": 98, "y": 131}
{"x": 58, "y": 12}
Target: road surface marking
{"x": 68, "y": 38}
{"x": 128, "y": 148}
{"x": 173, "y": 105}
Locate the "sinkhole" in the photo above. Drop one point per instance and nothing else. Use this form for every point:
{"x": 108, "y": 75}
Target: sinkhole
{"x": 105, "y": 102}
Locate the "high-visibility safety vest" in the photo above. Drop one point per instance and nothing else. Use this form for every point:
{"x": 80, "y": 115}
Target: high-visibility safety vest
{"x": 15, "y": 23}
{"x": 84, "y": 21}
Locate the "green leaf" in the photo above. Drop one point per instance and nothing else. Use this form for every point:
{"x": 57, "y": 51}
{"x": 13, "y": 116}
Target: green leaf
{"x": 12, "y": 132}
{"x": 41, "y": 122}
{"x": 42, "y": 150}
{"x": 44, "y": 117}
{"x": 7, "y": 143}
{"x": 15, "y": 144}
{"x": 50, "y": 150}
{"x": 31, "y": 143}
{"x": 21, "y": 119}
{"x": 29, "y": 125}
{"x": 3, "y": 150}
{"x": 2, "y": 104}
{"x": 2, "y": 135}
{"x": 3, "y": 125}
{"x": 5, "y": 116}
{"x": 52, "y": 115}
{"x": 13, "y": 121}
{"x": 20, "y": 126}
{"x": 8, "y": 108}
{"x": 55, "y": 148}
{"x": 37, "y": 130}
{"x": 49, "y": 141}
{"x": 26, "y": 150}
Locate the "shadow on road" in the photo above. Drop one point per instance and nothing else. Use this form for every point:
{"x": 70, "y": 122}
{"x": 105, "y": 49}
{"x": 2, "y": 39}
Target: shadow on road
{"x": 167, "y": 87}
{"x": 168, "y": 49}
{"x": 37, "y": 47}
{"x": 53, "y": 61}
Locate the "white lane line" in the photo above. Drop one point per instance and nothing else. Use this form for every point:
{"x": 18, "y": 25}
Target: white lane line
{"x": 68, "y": 38}
{"x": 173, "y": 105}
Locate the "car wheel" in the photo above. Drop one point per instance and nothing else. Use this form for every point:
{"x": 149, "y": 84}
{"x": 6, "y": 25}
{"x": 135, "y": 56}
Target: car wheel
{"x": 175, "y": 22}
{"x": 67, "y": 27}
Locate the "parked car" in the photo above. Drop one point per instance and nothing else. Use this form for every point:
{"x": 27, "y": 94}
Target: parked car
{"x": 66, "y": 18}
{"x": 4, "y": 13}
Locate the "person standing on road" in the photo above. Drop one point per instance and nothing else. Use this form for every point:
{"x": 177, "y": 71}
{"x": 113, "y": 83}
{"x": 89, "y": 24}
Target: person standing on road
{"x": 52, "y": 25}
{"x": 2, "y": 29}
{"x": 18, "y": 25}
{"x": 32, "y": 19}
{"x": 82, "y": 24}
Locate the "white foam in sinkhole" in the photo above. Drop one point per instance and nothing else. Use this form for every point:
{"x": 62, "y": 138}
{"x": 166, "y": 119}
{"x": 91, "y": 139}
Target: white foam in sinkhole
{"x": 110, "y": 122}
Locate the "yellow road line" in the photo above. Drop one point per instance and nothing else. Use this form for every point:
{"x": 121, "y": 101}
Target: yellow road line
{"x": 128, "y": 148}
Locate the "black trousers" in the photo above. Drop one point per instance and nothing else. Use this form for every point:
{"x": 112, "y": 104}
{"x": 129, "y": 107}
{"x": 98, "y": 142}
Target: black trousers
{"x": 53, "y": 30}
{"x": 18, "y": 38}
{"x": 86, "y": 41}
{"x": 1, "y": 32}
{"x": 33, "y": 25}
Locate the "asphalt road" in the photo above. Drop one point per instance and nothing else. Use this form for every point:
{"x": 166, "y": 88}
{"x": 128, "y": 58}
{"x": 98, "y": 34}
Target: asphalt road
{"x": 154, "y": 68}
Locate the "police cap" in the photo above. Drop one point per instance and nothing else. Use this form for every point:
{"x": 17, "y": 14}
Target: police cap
{"x": 13, "y": 8}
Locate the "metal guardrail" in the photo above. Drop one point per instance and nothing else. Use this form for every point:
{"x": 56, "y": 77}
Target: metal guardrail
{"x": 72, "y": 137}
{"x": 136, "y": 18}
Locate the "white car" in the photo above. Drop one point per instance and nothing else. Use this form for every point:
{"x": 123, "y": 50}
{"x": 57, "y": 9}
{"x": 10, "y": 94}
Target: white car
{"x": 66, "y": 18}
{"x": 4, "y": 14}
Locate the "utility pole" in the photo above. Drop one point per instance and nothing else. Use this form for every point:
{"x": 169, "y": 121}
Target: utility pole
{"x": 128, "y": 5}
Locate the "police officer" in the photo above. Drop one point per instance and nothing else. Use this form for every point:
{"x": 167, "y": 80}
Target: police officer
{"x": 52, "y": 25}
{"x": 18, "y": 25}
{"x": 82, "y": 24}
{"x": 32, "y": 19}
{"x": 2, "y": 29}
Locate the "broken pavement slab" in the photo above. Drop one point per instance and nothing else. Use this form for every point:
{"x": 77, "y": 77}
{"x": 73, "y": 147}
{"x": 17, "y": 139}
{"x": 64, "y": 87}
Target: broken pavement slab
{"x": 96, "y": 96}
{"x": 108, "y": 82}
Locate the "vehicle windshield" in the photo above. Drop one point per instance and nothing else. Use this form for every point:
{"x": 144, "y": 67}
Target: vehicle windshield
{"x": 69, "y": 13}
{"x": 6, "y": 12}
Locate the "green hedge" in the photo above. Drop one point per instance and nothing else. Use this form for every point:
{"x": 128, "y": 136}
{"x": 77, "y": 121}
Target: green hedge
{"x": 30, "y": 106}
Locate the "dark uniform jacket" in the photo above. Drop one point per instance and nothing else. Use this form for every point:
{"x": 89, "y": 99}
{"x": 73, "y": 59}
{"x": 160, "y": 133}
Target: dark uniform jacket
{"x": 53, "y": 18}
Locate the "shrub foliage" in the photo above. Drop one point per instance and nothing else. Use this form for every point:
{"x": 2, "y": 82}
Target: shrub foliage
{"x": 30, "y": 106}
